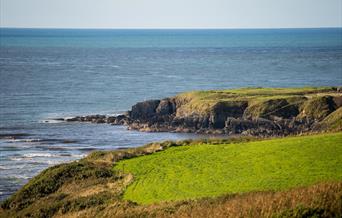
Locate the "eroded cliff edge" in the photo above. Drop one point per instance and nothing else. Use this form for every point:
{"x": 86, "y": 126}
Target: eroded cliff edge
{"x": 247, "y": 111}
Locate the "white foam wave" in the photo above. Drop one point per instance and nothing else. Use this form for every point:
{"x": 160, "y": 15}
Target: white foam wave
{"x": 34, "y": 156}
{"x": 19, "y": 177}
{"x": 31, "y": 155}
{"x": 12, "y": 167}
{"x": 78, "y": 155}
{"x": 25, "y": 140}
{"x": 16, "y": 158}
{"x": 36, "y": 161}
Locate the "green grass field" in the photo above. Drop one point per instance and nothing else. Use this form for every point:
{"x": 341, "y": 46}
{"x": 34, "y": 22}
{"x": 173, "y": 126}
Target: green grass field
{"x": 203, "y": 170}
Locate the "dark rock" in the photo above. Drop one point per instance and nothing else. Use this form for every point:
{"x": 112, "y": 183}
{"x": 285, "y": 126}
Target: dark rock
{"x": 58, "y": 119}
{"x": 111, "y": 120}
{"x": 204, "y": 122}
{"x": 73, "y": 119}
{"x": 338, "y": 101}
{"x": 99, "y": 121}
{"x": 120, "y": 117}
{"x": 94, "y": 118}
{"x": 165, "y": 107}
{"x": 190, "y": 122}
{"x": 222, "y": 110}
{"x": 144, "y": 110}
{"x": 238, "y": 125}
{"x": 122, "y": 120}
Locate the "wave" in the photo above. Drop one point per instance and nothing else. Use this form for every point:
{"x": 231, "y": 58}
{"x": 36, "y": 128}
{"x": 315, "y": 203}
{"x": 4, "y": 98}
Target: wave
{"x": 15, "y": 167}
{"x": 78, "y": 155}
{"x": 4, "y": 168}
{"x": 16, "y": 158}
{"x": 87, "y": 149}
{"x": 52, "y": 148}
{"x": 40, "y": 140}
{"x": 13, "y": 135}
{"x": 25, "y": 140}
{"x": 31, "y": 155}
{"x": 18, "y": 177}
{"x": 38, "y": 162}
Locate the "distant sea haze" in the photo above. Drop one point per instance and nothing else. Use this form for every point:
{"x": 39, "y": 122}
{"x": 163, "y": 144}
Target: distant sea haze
{"x": 172, "y": 38}
{"x": 50, "y": 73}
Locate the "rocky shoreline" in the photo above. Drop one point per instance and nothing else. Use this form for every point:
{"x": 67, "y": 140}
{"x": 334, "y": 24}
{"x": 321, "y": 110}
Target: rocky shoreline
{"x": 298, "y": 113}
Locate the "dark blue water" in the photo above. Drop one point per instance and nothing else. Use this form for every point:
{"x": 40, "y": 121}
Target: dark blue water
{"x": 46, "y": 74}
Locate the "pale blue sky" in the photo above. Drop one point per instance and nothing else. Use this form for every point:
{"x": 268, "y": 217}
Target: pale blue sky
{"x": 171, "y": 13}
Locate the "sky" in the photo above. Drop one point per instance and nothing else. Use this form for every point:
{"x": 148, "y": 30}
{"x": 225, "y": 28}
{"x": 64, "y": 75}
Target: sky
{"x": 170, "y": 13}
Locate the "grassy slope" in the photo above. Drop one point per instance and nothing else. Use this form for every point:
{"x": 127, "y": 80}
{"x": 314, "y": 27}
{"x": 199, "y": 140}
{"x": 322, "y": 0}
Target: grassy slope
{"x": 211, "y": 170}
{"x": 90, "y": 188}
{"x": 334, "y": 120}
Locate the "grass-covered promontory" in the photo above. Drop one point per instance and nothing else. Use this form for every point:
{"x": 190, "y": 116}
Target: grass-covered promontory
{"x": 237, "y": 177}
{"x": 207, "y": 170}
{"x": 261, "y": 112}
{"x": 247, "y": 111}
{"x": 260, "y": 102}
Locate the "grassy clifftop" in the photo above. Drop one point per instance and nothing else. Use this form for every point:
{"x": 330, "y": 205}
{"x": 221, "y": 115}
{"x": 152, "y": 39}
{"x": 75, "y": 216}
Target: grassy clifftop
{"x": 247, "y": 111}
{"x": 104, "y": 184}
{"x": 203, "y": 101}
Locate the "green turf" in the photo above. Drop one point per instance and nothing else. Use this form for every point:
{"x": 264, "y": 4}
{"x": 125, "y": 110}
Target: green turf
{"x": 195, "y": 171}
{"x": 202, "y": 101}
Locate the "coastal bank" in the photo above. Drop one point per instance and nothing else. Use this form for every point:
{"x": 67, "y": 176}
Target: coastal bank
{"x": 294, "y": 172}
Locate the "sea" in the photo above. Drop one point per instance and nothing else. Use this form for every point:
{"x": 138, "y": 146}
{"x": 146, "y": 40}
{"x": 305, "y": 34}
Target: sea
{"x": 53, "y": 73}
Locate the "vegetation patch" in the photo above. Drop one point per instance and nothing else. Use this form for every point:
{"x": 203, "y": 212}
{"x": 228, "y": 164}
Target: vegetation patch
{"x": 51, "y": 179}
{"x": 318, "y": 108}
{"x": 333, "y": 121}
{"x": 201, "y": 102}
{"x": 189, "y": 172}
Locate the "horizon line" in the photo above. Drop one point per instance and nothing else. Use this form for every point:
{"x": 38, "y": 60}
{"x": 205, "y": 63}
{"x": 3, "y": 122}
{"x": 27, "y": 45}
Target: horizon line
{"x": 170, "y": 28}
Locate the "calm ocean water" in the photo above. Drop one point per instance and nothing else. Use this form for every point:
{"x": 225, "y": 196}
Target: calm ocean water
{"x": 48, "y": 73}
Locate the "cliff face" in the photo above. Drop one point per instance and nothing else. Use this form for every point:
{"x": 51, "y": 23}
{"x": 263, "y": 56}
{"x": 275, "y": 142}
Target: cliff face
{"x": 249, "y": 111}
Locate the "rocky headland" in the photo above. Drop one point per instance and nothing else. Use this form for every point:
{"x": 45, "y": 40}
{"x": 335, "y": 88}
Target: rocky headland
{"x": 247, "y": 111}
